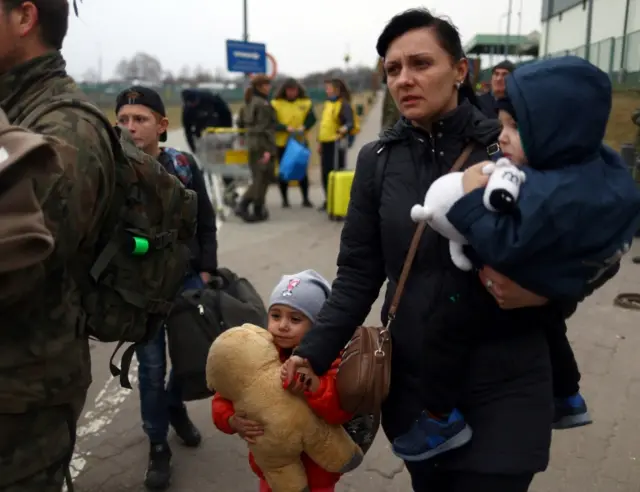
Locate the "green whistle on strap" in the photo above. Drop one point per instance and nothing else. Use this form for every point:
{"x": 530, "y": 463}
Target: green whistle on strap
{"x": 140, "y": 246}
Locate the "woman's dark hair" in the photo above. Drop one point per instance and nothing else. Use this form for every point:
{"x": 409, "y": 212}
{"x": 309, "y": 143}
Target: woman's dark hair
{"x": 53, "y": 19}
{"x": 342, "y": 88}
{"x": 287, "y": 84}
{"x": 447, "y": 34}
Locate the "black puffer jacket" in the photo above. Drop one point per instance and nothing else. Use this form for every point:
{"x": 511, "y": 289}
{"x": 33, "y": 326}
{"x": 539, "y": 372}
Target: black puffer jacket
{"x": 508, "y": 400}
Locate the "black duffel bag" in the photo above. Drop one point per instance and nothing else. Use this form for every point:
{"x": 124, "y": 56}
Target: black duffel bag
{"x": 196, "y": 320}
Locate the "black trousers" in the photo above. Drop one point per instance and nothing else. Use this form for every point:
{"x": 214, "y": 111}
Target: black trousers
{"x": 328, "y": 161}
{"x": 426, "y": 478}
{"x": 284, "y": 185}
{"x": 452, "y": 333}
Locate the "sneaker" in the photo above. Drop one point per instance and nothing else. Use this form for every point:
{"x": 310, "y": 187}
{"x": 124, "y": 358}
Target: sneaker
{"x": 306, "y": 203}
{"x": 323, "y": 207}
{"x": 181, "y": 423}
{"x": 158, "y": 476}
{"x": 571, "y": 412}
{"x": 429, "y": 437}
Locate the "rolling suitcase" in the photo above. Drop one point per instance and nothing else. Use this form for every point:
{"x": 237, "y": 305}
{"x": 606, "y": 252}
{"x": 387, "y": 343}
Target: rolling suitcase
{"x": 338, "y": 188}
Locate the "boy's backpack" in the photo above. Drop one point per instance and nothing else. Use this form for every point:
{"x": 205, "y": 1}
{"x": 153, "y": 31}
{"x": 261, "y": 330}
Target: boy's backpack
{"x": 141, "y": 256}
{"x": 197, "y": 319}
{"x": 181, "y": 167}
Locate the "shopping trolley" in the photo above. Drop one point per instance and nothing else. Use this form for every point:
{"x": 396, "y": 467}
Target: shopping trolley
{"x": 223, "y": 157}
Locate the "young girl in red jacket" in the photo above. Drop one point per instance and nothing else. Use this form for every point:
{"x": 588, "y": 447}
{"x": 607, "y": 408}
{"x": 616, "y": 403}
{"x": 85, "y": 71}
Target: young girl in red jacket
{"x": 295, "y": 302}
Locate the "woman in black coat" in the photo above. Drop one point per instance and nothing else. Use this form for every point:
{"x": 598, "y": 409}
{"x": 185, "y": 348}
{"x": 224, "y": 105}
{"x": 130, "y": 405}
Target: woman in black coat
{"x": 507, "y": 391}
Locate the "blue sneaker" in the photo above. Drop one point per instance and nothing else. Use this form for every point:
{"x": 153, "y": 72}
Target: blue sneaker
{"x": 571, "y": 412}
{"x": 429, "y": 437}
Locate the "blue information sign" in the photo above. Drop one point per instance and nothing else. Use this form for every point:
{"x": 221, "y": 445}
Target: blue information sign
{"x": 246, "y": 57}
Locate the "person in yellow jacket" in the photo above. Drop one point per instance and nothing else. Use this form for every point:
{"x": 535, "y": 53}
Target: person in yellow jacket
{"x": 294, "y": 112}
{"x": 336, "y": 123}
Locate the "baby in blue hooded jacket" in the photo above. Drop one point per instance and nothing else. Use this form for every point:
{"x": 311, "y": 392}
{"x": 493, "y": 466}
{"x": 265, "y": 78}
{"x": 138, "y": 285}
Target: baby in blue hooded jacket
{"x": 575, "y": 217}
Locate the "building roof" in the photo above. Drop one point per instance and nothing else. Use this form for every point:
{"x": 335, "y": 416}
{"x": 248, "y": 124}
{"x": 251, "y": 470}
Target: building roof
{"x": 486, "y": 44}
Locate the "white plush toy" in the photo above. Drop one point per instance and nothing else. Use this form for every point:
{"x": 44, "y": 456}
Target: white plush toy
{"x": 500, "y": 195}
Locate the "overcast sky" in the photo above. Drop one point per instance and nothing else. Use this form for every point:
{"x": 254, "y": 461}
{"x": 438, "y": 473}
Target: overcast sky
{"x": 303, "y": 35}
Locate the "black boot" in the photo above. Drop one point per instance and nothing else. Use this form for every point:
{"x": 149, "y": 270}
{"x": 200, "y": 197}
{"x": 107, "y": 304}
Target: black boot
{"x": 158, "y": 476}
{"x": 181, "y": 423}
{"x": 242, "y": 210}
{"x": 260, "y": 214}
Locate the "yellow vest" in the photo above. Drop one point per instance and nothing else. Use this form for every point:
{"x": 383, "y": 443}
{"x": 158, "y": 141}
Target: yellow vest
{"x": 330, "y": 121}
{"x": 290, "y": 113}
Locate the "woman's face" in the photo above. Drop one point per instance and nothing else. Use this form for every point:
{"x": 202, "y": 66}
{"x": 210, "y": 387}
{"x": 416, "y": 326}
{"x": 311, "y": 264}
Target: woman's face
{"x": 330, "y": 90}
{"x": 421, "y": 75}
{"x": 291, "y": 93}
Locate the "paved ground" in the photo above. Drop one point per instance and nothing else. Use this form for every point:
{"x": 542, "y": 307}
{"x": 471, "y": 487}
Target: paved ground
{"x": 604, "y": 457}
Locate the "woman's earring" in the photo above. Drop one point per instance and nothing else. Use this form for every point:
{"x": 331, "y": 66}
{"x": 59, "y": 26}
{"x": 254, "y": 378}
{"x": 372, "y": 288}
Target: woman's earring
{"x": 458, "y": 85}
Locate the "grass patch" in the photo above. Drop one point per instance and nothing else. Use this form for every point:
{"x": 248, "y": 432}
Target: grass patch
{"x": 621, "y": 129}
{"x": 174, "y": 114}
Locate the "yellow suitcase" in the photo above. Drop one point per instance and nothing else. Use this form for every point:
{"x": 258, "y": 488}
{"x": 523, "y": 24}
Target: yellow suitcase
{"x": 338, "y": 193}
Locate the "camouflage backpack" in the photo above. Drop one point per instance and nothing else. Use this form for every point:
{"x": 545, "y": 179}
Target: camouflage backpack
{"x": 142, "y": 255}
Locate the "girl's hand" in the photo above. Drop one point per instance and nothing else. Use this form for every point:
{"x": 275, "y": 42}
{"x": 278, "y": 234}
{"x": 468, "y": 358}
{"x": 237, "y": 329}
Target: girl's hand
{"x": 507, "y": 293}
{"x": 246, "y": 429}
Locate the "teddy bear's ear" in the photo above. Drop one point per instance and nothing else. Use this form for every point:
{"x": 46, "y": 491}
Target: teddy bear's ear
{"x": 420, "y": 213}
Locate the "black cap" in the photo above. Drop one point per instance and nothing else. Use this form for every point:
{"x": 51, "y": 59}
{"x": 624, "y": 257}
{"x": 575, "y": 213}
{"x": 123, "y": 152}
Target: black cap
{"x": 505, "y": 65}
{"x": 143, "y": 96}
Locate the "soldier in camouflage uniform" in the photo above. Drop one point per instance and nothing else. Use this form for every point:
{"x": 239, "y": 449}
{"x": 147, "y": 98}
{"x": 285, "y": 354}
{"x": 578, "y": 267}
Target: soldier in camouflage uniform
{"x": 390, "y": 113}
{"x": 260, "y": 122}
{"x": 45, "y": 367}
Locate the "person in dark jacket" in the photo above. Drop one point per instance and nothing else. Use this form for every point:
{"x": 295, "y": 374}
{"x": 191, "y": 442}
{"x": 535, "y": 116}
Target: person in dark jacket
{"x": 543, "y": 242}
{"x": 142, "y": 112}
{"x": 487, "y": 101}
{"x": 202, "y": 109}
{"x": 507, "y": 396}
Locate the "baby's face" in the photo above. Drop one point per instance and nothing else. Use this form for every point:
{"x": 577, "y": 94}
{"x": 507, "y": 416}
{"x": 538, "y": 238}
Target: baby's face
{"x": 509, "y": 140}
{"x": 287, "y": 325}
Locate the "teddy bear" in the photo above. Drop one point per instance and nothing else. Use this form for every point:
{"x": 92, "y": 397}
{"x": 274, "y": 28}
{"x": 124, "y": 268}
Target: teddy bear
{"x": 500, "y": 195}
{"x": 244, "y": 367}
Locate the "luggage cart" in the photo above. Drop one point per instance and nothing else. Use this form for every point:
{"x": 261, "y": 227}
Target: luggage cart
{"x": 224, "y": 160}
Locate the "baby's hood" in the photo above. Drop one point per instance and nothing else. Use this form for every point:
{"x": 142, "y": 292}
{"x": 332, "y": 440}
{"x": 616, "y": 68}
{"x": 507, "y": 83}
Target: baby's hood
{"x": 562, "y": 107}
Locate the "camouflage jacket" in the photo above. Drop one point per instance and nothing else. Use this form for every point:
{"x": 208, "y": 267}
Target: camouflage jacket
{"x": 44, "y": 355}
{"x": 390, "y": 113}
{"x": 260, "y": 121}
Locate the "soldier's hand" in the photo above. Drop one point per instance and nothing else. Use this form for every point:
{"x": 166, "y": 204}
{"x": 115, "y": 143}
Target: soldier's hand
{"x": 266, "y": 157}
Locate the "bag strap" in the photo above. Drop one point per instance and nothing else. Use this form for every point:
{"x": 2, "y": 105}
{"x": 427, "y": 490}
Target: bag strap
{"x": 415, "y": 242}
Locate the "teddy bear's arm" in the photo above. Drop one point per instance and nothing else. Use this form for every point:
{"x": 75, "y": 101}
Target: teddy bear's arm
{"x": 221, "y": 411}
{"x": 324, "y": 401}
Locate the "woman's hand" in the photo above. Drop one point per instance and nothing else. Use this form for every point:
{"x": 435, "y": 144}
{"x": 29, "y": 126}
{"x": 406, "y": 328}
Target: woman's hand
{"x": 507, "y": 293}
{"x": 291, "y": 367}
{"x": 246, "y": 429}
{"x": 304, "y": 380}
{"x": 473, "y": 177}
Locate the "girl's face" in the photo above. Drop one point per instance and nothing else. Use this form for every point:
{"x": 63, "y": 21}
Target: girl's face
{"x": 330, "y": 90}
{"x": 287, "y": 326}
{"x": 509, "y": 139}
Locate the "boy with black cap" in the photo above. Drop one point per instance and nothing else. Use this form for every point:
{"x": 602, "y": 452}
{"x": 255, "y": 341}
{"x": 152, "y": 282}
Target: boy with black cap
{"x": 141, "y": 111}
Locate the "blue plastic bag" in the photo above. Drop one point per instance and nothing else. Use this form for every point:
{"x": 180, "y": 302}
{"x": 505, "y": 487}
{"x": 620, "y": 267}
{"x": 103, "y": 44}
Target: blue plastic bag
{"x": 294, "y": 162}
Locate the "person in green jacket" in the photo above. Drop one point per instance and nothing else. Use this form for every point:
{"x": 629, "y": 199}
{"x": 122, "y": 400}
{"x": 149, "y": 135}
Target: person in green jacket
{"x": 260, "y": 122}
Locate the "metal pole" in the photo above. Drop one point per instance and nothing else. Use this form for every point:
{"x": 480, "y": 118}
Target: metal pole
{"x": 623, "y": 48}
{"x": 245, "y": 32}
{"x": 587, "y": 48}
{"x": 507, "y": 43}
{"x": 546, "y": 29}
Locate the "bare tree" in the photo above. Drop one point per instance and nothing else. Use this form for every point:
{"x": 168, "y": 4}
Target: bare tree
{"x": 141, "y": 66}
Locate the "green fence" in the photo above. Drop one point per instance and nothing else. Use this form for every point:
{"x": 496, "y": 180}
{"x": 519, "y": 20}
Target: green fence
{"x": 606, "y": 55}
